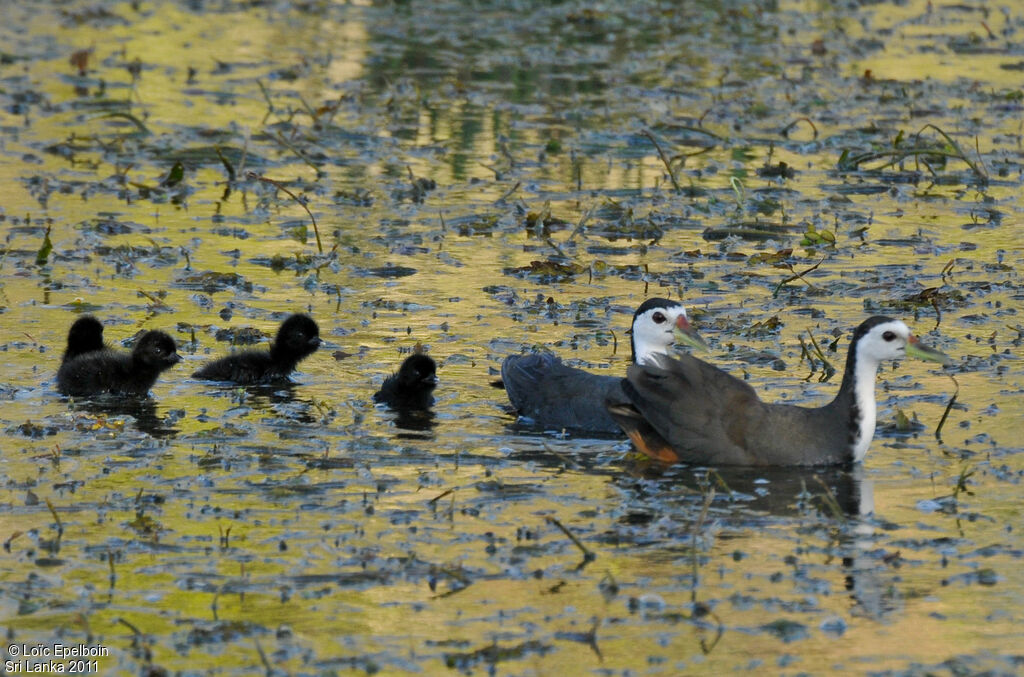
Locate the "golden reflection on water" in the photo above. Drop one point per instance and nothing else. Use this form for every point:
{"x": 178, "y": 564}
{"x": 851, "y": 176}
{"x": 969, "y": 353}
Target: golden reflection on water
{"x": 247, "y": 463}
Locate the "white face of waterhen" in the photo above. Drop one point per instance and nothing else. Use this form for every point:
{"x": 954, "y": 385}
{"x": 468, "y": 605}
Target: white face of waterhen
{"x": 890, "y": 340}
{"x": 657, "y": 327}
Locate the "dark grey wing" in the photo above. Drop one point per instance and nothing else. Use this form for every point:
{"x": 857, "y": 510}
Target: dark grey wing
{"x": 551, "y": 395}
{"x": 702, "y": 413}
{"x": 708, "y": 416}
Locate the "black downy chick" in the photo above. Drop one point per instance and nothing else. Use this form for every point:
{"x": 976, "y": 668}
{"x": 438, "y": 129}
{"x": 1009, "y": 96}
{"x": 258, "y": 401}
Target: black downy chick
{"x": 84, "y": 336}
{"x": 115, "y": 371}
{"x": 412, "y": 386}
{"x": 297, "y": 338}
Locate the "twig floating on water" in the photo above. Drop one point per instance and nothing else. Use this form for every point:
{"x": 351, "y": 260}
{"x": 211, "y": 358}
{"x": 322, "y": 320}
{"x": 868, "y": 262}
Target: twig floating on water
{"x": 949, "y": 406}
{"x": 588, "y": 556}
{"x": 799, "y": 276}
{"x": 509, "y": 192}
{"x": 433, "y": 502}
{"x": 53, "y": 511}
{"x": 785, "y": 130}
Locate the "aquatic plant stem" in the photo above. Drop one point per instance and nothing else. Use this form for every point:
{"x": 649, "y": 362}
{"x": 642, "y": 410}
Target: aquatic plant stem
{"x": 56, "y": 517}
{"x": 298, "y": 153}
{"x": 962, "y": 155}
{"x": 433, "y": 502}
{"x": 697, "y": 526}
{"x": 276, "y": 184}
{"x": 270, "y": 104}
{"x": 664, "y": 160}
{"x": 831, "y": 501}
{"x": 949, "y": 406}
{"x": 848, "y": 162}
{"x": 785, "y": 130}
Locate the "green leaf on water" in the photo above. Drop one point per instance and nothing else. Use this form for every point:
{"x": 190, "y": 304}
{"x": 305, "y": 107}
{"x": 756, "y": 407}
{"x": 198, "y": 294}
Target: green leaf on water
{"x": 742, "y": 154}
{"x": 769, "y": 257}
{"x": 44, "y": 251}
{"x": 903, "y": 422}
{"x": 175, "y": 176}
{"x": 812, "y": 237}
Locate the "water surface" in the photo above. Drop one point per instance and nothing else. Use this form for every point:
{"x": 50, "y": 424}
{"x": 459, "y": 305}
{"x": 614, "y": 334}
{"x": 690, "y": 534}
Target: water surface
{"x": 487, "y": 180}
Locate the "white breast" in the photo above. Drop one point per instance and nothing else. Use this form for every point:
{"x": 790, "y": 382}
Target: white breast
{"x": 864, "y": 394}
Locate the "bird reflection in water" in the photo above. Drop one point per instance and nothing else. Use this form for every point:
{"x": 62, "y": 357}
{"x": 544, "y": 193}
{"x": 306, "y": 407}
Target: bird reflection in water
{"x": 143, "y": 412}
{"x": 415, "y": 424}
{"x": 279, "y": 398}
{"x": 832, "y": 492}
{"x": 747, "y": 503}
